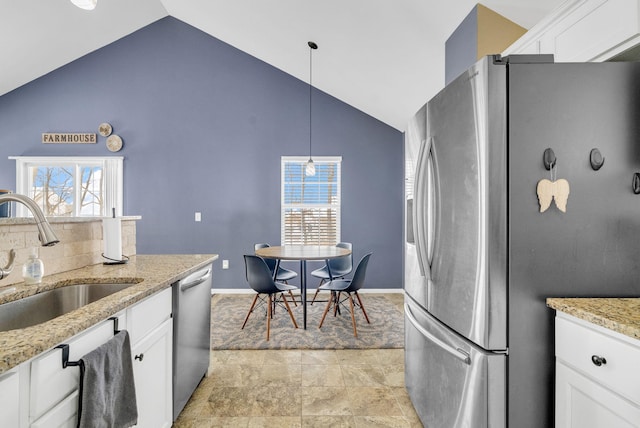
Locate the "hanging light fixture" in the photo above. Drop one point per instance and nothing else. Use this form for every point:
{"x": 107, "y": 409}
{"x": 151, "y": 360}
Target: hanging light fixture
{"x": 85, "y": 4}
{"x": 310, "y": 170}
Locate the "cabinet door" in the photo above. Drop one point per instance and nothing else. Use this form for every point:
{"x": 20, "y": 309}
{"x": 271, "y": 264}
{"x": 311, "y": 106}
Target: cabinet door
{"x": 152, "y": 371}
{"x": 64, "y": 415}
{"x": 9, "y": 398}
{"x": 583, "y": 403}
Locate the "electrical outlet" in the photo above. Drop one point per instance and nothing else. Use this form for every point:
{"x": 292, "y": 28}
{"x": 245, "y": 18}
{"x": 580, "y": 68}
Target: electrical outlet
{"x": 198, "y": 216}
{"x": 225, "y": 264}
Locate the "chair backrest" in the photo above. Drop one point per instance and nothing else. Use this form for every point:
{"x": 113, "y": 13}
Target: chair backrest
{"x": 358, "y": 277}
{"x": 341, "y": 266}
{"x": 258, "y": 274}
{"x": 270, "y": 262}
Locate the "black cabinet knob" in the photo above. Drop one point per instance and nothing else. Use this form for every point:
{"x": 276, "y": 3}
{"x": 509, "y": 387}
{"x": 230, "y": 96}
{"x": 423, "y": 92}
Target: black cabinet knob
{"x": 139, "y": 357}
{"x": 598, "y": 360}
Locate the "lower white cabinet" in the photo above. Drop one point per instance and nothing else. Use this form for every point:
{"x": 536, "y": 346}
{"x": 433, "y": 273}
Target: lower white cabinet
{"x": 152, "y": 371}
{"x": 597, "y": 376}
{"x": 10, "y": 398}
{"x": 40, "y": 393}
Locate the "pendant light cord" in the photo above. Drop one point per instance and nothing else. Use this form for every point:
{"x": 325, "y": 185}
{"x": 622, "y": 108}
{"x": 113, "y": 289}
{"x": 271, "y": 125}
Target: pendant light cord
{"x": 310, "y": 91}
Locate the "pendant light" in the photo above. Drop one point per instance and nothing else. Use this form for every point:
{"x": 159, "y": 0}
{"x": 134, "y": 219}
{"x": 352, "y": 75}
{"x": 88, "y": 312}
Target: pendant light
{"x": 85, "y": 4}
{"x": 310, "y": 170}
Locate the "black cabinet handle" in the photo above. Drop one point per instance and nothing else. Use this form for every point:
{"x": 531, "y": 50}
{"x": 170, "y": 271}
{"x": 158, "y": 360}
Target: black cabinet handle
{"x": 598, "y": 360}
{"x": 139, "y": 357}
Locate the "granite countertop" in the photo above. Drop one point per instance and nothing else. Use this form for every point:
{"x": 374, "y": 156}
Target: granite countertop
{"x": 150, "y": 273}
{"x": 621, "y": 315}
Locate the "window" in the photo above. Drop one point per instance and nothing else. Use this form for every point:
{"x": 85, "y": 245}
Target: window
{"x": 310, "y": 205}
{"x": 70, "y": 186}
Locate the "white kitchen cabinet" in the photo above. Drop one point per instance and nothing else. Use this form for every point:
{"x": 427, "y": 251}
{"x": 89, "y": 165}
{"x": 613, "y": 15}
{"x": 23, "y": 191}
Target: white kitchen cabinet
{"x": 10, "y": 398}
{"x": 40, "y": 393}
{"x": 151, "y": 330}
{"x": 152, "y": 371}
{"x": 597, "y": 376}
{"x": 583, "y": 31}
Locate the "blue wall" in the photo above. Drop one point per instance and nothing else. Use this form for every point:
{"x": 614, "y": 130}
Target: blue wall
{"x": 204, "y": 126}
{"x": 461, "y": 48}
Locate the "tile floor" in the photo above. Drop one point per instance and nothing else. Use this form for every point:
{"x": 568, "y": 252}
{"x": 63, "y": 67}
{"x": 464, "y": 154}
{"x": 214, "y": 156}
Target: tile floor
{"x": 302, "y": 388}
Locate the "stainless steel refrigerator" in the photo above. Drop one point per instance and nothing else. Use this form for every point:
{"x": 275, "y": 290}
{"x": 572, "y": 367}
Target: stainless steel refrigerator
{"x": 481, "y": 256}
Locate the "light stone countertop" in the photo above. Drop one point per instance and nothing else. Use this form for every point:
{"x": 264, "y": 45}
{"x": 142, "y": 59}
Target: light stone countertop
{"x": 621, "y": 315}
{"x": 151, "y": 273}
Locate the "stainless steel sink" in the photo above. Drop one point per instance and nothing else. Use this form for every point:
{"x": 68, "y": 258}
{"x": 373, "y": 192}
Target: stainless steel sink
{"x": 50, "y": 304}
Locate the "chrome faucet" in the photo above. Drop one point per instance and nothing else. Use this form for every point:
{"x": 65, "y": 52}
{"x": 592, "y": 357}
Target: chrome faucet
{"x": 45, "y": 233}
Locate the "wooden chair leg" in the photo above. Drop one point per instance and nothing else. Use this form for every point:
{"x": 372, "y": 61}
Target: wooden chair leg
{"x": 316, "y": 293}
{"x": 289, "y": 310}
{"x": 353, "y": 316}
{"x": 293, "y": 298}
{"x": 326, "y": 310}
{"x": 269, "y": 317}
{"x": 362, "y": 307}
{"x": 255, "y": 299}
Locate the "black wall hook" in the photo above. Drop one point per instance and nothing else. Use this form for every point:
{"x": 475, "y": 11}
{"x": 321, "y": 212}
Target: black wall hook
{"x": 596, "y": 159}
{"x": 549, "y": 159}
{"x": 635, "y": 184}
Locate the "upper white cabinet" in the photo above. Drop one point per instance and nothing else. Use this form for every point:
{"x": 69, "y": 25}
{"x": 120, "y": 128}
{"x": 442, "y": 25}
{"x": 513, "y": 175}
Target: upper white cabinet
{"x": 584, "y": 31}
{"x": 597, "y": 376}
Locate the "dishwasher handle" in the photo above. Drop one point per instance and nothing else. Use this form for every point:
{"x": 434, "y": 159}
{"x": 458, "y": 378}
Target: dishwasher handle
{"x": 191, "y": 284}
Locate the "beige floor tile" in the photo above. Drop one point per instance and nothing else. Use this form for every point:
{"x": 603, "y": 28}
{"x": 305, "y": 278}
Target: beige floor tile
{"x": 390, "y": 356}
{"x": 280, "y": 375}
{"x": 237, "y": 375}
{"x": 393, "y": 375}
{"x": 322, "y": 375}
{"x": 325, "y": 401}
{"x": 328, "y": 422}
{"x": 248, "y": 357}
{"x": 381, "y": 422}
{"x": 275, "y": 401}
{"x": 402, "y": 397}
{"x": 357, "y": 356}
{"x": 314, "y": 356}
{"x": 222, "y": 422}
{"x": 283, "y": 356}
{"x": 373, "y": 401}
{"x": 363, "y": 375}
{"x": 275, "y": 422}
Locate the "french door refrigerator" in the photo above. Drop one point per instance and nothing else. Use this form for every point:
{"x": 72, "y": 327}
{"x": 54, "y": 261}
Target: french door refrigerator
{"x": 481, "y": 253}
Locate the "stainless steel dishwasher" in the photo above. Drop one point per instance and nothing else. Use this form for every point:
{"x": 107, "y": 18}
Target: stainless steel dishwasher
{"x": 191, "y": 334}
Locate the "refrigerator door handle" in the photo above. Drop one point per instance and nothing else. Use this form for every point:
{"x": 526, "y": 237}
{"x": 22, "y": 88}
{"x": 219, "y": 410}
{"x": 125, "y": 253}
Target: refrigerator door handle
{"x": 456, "y": 352}
{"x": 420, "y": 200}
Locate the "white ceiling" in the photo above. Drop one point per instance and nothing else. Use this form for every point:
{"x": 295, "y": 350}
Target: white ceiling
{"x": 384, "y": 57}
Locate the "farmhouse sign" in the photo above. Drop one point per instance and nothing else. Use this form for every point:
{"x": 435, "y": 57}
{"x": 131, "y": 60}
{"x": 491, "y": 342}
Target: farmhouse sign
{"x": 69, "y": 138}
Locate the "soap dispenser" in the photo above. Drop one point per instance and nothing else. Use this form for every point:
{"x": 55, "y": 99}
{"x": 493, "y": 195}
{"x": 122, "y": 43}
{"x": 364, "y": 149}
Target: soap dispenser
{"x": 33, "y": 268}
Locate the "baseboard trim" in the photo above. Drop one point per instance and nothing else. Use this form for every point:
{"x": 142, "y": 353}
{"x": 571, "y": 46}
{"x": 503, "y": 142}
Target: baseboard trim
{"x": 309, "y": 290}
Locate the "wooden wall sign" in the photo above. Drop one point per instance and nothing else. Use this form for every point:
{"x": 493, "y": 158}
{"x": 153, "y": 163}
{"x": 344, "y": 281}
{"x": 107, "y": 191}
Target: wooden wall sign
{"x": 69, "y": 138}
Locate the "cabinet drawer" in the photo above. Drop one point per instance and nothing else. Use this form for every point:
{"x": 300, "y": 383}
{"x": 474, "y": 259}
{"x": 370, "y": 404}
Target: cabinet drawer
{"x": 64, "y": 415}
{"x": 9, "y": 398}
{"x": 577, "y": 342}
{"x": 148, "y": 314}
{"x": 50, "y": 383}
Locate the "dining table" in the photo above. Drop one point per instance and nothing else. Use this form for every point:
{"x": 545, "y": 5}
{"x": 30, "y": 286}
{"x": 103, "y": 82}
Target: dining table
{"x": 303, "y": 253}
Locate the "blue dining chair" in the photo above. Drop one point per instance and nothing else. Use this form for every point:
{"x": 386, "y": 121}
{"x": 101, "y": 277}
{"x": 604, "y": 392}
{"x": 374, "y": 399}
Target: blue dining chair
{"x": 283, "y": 275}
{"x": 259, "y": 278}
{"x": 349, "y": 286}
{"x": 340, "y": 267}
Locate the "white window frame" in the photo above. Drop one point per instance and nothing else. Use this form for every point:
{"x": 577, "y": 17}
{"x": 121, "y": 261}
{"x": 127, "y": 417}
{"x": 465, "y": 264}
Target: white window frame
{"x": 317, "y": 160}
{"x": 112, "y": 169}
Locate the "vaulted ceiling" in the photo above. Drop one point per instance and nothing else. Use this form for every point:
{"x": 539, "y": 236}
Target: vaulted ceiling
{"x": 383, "y": 57}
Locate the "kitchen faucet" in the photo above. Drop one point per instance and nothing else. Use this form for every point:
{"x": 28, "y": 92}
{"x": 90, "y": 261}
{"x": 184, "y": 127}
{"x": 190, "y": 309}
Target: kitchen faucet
{"x": 45, "y": 233}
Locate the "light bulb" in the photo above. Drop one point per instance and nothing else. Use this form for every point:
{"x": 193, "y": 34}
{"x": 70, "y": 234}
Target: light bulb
{"x": 310, "y": 170}
{"x": 85, "y": 4}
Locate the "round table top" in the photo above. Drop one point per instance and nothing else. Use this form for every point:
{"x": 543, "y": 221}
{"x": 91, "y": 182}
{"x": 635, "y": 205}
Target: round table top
{"x": 303, "y": 252}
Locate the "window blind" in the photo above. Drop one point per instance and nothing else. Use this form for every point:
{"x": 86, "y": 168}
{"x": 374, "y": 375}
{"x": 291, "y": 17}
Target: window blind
{"x": 310, "y": 205}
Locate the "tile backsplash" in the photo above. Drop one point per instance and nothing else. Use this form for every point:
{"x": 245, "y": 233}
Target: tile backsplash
{"x": 80, "y": 244}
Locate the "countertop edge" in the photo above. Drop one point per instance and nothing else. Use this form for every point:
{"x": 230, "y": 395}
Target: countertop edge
{"x": 19, "y": 346}
{"x": 621, "y": 315}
